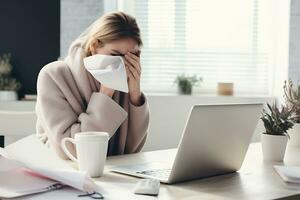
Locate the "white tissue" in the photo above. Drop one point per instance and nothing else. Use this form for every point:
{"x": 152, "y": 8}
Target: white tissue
{"x": 108, "y": 70}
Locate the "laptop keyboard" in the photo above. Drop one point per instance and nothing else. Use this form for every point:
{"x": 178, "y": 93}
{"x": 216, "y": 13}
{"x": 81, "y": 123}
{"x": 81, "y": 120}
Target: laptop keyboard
{"x": 157, "y": 173}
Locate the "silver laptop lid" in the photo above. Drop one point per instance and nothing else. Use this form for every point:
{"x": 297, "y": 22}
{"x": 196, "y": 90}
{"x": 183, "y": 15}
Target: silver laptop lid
{"x": 215, "y": 140}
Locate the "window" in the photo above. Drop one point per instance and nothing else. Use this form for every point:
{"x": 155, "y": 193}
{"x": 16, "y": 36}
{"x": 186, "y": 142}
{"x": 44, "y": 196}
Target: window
{"x": 220, "y": 41}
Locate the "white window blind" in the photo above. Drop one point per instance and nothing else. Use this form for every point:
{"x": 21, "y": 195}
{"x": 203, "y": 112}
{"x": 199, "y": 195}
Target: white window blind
{"x": 220, "y": 41}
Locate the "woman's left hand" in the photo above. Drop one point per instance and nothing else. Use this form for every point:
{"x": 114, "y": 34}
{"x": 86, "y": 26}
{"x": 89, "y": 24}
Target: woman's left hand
{"x": 133, "y": 70}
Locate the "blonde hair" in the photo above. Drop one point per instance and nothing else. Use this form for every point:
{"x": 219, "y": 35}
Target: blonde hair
{"x": 111, "y": 27}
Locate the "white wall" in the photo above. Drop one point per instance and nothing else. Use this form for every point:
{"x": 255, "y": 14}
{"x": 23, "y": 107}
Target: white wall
{"x": 294, "y": 58}
{"x": 17, "y": 119}
{"x": 168, "y": 115}
{"x": 75, "y": 17}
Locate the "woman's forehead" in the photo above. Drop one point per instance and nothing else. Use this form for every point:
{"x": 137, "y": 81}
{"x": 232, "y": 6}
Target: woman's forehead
{"x": 124, "y": 45}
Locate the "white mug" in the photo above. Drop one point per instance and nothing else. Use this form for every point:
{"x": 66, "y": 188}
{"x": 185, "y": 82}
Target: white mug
{"x": 91, "y": 149}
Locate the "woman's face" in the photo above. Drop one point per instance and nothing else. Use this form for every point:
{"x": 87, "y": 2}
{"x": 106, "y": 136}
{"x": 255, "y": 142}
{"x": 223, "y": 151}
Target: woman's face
{"x": 117, "y": 48}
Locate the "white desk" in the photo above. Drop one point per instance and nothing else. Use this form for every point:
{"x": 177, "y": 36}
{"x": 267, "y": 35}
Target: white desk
{"x": 256, "y": 180}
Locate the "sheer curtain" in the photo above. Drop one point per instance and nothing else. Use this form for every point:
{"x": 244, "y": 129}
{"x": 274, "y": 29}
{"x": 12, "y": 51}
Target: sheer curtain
{"x": 220, "y": 41}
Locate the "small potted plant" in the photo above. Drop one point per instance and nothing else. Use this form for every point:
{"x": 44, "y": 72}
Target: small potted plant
{"x": 292, "y": 99}
{"x": 8, "y": 85}
{"x": 277, "y": 122}
{"x": 185, "y": 83}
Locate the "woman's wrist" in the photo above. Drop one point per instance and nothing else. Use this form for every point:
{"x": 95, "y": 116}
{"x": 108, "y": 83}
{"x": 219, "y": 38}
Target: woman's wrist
{"x": 107, "y": 91}
{"x": 136, "y": 98}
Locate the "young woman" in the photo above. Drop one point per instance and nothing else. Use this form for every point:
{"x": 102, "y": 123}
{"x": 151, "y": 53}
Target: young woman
{"x": 70, "y": 100}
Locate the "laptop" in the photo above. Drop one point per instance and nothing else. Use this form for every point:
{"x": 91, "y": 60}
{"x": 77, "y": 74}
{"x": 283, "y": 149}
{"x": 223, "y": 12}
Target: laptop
{"x": 214, "y": 142}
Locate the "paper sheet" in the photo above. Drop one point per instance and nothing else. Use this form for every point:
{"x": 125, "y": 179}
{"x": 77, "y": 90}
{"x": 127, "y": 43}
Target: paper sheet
{"x": 289, "y": 174}
{"x": 17, "y": 181}
{"x": 40, "y": 159}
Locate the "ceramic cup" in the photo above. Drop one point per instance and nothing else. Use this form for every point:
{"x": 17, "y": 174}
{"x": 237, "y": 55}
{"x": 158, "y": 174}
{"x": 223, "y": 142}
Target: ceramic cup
{"x": 91, "y": 150}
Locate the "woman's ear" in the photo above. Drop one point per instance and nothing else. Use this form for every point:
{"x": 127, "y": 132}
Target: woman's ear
{"x": 95, "y": 44}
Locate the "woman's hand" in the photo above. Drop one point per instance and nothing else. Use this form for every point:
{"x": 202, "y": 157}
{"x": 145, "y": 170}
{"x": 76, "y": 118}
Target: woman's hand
{"x": 107, "y": 91}
{"x": 133, "y": 70}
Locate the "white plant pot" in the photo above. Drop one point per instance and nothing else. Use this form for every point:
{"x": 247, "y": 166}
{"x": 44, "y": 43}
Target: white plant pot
{"x": 295, "y": 135}
{"x": 8, "y": 95}
{"x": 273, "y": 147}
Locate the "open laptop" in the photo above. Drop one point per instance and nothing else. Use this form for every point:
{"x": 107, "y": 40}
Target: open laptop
{"x": 214, "y": 142}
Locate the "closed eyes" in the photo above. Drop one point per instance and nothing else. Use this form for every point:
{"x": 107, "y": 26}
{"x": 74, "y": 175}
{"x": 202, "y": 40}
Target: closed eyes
{"x": 112, "y": 54}
{"x": 116, "y": 53}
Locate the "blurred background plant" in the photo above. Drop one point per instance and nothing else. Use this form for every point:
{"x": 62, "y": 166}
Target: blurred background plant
{"x": 278, "y": 121}
{"x": 186, "y": 83}
{"x": 7, "y": 82}
{"x": 292, "y": 97}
